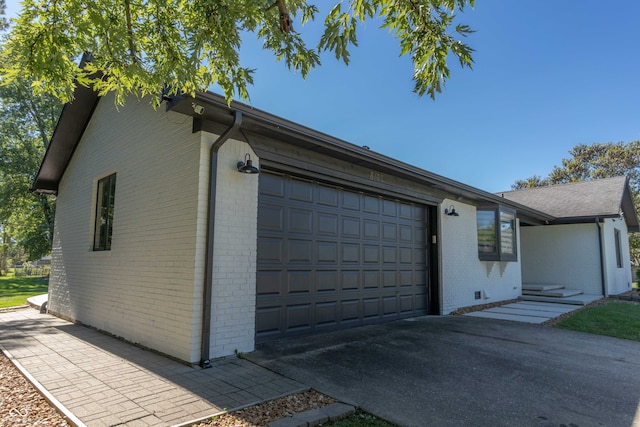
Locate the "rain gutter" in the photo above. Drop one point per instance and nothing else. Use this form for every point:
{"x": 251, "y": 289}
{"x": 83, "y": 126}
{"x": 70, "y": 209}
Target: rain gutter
{"x": 205, "y": 341}
{"x": 602, "y": 276}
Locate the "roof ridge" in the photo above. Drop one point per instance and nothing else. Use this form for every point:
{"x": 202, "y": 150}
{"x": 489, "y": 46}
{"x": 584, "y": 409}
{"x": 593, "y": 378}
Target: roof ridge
{"x": 564, "y": 184}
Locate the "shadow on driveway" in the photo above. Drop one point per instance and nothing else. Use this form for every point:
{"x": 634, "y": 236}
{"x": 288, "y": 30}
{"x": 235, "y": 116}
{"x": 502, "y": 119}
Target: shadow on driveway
{"x": 461, "y": 371}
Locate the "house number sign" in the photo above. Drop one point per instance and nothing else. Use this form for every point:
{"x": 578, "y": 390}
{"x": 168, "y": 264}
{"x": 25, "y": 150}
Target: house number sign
{"x": 376, "y": 176}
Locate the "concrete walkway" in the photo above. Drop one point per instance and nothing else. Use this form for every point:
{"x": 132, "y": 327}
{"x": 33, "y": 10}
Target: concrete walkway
{"x": 527, "y": 311}
{"x": 102, "y": 381}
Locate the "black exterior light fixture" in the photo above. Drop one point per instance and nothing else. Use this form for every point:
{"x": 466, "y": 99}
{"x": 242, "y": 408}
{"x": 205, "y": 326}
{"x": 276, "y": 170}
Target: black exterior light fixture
{"x": 451, "y": 211}
{"x": 247, "y": 166}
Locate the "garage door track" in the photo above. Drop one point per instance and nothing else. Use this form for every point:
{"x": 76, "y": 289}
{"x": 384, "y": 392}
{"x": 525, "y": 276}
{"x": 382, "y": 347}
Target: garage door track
{"x": 462, "y": 371}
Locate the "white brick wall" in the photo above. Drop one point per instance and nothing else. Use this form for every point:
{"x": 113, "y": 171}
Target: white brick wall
{"x": 145, "y": 289}
{"x": 462, "y": 272}
{"x": 618, "y": 280}
{"x": 235, "y": 253}
{"x": 563, "y": 254}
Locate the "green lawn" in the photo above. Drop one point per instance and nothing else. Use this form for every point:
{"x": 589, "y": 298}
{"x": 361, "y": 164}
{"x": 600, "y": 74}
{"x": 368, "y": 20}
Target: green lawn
{"x": 359, "y": 419}
{"x": 15, "y": 290}
{"x": 615, "y": 319}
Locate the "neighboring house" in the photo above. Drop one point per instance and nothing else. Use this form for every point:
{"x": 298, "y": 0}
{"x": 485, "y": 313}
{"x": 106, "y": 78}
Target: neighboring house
{"x": 160, "y": 240}
{"x": 587, "y": 247}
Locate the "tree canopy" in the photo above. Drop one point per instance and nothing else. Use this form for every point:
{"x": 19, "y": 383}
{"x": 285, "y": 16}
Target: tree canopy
{"x": 144, "y": 47}
{"x": 596, "y": 161}
{"x": 26, "y": 125}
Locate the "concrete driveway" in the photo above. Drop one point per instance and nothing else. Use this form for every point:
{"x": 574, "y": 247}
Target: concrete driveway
{"x": 462, "y": 371}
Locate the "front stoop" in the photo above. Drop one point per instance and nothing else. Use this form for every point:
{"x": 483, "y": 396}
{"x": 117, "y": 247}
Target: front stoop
{"x": 554, "y": 292}
{"x": 559, "y": 293}
{"x": 574, "y": 300}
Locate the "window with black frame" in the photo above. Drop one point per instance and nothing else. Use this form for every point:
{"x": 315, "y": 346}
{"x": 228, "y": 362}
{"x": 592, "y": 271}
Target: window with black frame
{"x": 496, "y": 234}
{"x": 618, "y": 243}
{"x": 104, "y": 213}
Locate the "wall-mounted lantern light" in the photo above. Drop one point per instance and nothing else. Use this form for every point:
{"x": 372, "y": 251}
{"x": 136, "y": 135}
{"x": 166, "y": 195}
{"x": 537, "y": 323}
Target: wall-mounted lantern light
{"x": 247, "y": 166}
{"x": 451, "y": 211}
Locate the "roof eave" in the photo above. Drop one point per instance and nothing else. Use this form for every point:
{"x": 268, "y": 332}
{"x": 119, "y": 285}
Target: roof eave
{"x": 217, "y": 109}
{"x": 73, "y": 120}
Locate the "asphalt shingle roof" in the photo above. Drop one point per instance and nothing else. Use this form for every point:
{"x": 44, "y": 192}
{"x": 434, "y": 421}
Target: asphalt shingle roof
{"x": 596, "y": 198}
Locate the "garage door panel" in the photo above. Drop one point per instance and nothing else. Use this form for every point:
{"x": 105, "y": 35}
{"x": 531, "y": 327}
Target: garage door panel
{"x": 300, "y": 251}
{"x": 350, "y": 280}
{"x": 389, "y": 254}
{"x": 389, "y": 278}
{"x": 350, "y": 310}
{"x": 371, "y": 254}
{"x": 272, "y": 185}
{"x": 371, "y": 279}
{"x": 371, "y": 307}
{"x": 269, "y": 320}
{"x": 406, "y": 278}
{"x": 326, "y": 313}
{"x": 406, "y": 233}
{"x": 300, "y": 221}
{"x": 405, "y": 255}
{"x": 271, "y": 218}
{"x": 326, "y": 281}
{"x": 331, "y": 258}
{"x": 298, "y": 318}
{"x": 301, "y": 190}
{"x": 371, "y": 204}
{"x": 389, "y": 231}
{"x": 350, "y": 227}
{"x": 270, "y": 249}
{"x": 327, "y": 224}
{"x": 350, "y": 200}
{"x": 390, "y": 306}
{"x": 406, "y": 303}
{"x": 371, "y": 229}
{"x": 350, "y": 253}
{"x": 327, "y": 252}
{"x": 298, "y": 282}
{"x": 328, "y": 196}
{"x": 389, "y": 208}
{"x": 420, "y": 302}
{"x": 270, "y": 282}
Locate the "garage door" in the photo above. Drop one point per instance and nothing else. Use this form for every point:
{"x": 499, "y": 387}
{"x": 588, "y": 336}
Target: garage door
{"x": 333, "y": 258}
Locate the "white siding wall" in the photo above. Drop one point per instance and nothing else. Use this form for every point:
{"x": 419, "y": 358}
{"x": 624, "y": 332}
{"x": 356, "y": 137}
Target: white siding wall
{"x": 563, "y": 254}
{"x": 235, "y": 253}
{"x": 462, "y": 272}
{"x": 618, "y": 280}
{"x": 146, "y": 288}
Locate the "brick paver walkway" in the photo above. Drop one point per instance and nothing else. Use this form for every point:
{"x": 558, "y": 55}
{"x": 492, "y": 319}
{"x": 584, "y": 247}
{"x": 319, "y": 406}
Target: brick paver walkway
{"x": 106, "y": 382}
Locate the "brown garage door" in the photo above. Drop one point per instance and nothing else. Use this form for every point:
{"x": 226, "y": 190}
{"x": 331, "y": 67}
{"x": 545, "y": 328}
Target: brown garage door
{"x": 332, "y": 258}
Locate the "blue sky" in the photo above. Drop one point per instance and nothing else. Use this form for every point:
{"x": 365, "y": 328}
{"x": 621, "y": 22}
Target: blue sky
{"x": 548, "y": 74}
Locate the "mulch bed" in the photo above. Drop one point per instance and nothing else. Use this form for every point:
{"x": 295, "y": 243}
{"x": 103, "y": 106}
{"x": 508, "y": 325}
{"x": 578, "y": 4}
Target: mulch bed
{"x": 480, "y": 307}
{"x": 20, "y": 403}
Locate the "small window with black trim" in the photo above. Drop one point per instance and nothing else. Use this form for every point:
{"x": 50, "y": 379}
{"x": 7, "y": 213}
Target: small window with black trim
{"x": 618, "y": 242}
{"x": 104, "y": 213}
{"x": 496, "y": 234}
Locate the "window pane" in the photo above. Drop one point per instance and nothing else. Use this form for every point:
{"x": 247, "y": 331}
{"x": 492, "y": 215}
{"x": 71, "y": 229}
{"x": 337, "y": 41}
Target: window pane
{"x": 618, "y": 248}
{"x": 487, "y": 238}
{"x": 507, "y": 233}
{"x": 104, "y": 213}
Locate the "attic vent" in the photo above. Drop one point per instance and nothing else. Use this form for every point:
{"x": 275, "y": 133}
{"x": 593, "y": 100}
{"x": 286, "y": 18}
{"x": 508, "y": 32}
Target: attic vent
{"x": 478, "y": 294}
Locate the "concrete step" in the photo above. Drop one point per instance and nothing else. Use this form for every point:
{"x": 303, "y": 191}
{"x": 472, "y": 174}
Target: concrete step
{"x": 541, "y": 286}
{"x": 557, "y": 293}
{"x": 574, "y": 300}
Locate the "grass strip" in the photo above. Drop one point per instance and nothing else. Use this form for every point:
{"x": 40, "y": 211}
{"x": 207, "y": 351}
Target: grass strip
{"x": 618, "y": 319}
{"x": 14, "y": 291}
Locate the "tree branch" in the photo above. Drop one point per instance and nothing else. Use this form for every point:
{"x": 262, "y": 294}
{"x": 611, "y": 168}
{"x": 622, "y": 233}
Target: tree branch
{"x": 286, "y": 24}
{"x": 127, "y": 12}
